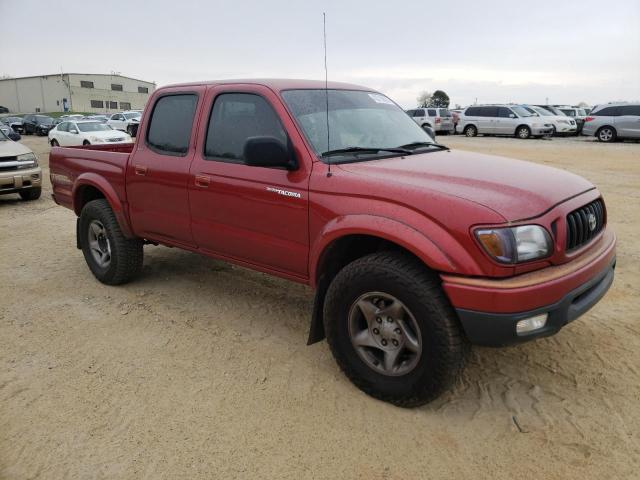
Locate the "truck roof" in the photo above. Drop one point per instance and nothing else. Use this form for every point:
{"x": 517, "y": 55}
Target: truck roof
{"x": 278, "y": 84}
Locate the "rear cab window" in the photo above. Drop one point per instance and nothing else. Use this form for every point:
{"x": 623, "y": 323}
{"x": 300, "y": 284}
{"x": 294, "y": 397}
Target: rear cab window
{"x": 169, "y": 130}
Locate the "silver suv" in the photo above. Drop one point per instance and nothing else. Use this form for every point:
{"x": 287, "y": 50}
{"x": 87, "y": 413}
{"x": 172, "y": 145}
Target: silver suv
{"x": 503, "y": 120}
{"x": 439, "y": 119}
{"x": 612, "y": 121}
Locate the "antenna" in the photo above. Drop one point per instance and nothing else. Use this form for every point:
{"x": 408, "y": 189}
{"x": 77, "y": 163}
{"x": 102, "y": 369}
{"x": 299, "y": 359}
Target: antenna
{"x": 326, "y": 86}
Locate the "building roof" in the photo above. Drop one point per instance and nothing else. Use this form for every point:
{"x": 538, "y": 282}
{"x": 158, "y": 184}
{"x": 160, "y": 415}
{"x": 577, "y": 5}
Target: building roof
{"x": 75, "y": 73}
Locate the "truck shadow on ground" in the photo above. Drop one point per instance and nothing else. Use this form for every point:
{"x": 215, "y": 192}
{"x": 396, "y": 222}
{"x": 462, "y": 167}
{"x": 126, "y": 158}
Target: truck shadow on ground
{"x": 516, "y": 381}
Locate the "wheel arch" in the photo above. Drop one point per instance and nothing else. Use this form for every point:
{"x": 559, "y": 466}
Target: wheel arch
{"x": 348, "y": 238}
{"x": 90, "y": 186}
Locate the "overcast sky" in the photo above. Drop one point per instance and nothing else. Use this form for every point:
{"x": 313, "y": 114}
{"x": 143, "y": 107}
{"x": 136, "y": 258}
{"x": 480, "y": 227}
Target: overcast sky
{"x": 495, "y": 51}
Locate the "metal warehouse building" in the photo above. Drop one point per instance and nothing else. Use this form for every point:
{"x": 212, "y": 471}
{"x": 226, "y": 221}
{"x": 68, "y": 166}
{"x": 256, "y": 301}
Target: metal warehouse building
{"x": 78, "y": 92}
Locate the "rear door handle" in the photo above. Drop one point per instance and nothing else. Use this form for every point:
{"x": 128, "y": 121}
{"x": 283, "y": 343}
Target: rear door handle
{"x": 140, "y": 169}
{"x": 202, "y": 181}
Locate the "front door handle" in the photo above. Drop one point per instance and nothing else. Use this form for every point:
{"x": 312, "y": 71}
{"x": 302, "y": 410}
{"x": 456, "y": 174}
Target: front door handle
{"x": 140, "y": 170}
{"x": 202, "y": 181}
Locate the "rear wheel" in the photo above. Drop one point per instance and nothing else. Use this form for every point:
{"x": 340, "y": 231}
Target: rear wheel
{"x": 606, "y": 134}
{"x": 470, "y": 131}
{"x": 112, "y": 258}
{"x": 31, "y": 194}
{"x": 392, "y": 330}
{"x": 523, "y": 132}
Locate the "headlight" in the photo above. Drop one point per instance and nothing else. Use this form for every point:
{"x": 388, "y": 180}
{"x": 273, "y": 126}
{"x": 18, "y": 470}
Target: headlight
{"x": 29, "y": 160}
{"x": 564, "y": 121}
{"x": 96, "y": 139}
{"x": 516, "y": 244}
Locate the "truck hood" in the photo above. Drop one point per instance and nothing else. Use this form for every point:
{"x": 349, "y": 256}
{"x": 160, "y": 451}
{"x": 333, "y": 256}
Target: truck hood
{"x": 514, "y": 189}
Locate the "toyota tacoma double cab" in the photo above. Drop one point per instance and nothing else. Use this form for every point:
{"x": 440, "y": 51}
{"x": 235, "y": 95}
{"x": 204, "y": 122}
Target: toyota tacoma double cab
{"x": 415, "y": 251}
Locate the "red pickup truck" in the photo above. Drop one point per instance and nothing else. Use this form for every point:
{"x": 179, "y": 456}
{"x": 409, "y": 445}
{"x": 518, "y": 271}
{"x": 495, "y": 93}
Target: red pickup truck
{"x": 414, "y": 251}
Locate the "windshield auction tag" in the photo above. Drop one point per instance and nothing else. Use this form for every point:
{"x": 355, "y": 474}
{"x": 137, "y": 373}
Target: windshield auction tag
{"x": 378, "y": 98}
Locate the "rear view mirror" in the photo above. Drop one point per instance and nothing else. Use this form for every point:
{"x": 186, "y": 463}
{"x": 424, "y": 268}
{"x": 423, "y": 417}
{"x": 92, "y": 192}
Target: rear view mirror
{"x": 268, "y": 152}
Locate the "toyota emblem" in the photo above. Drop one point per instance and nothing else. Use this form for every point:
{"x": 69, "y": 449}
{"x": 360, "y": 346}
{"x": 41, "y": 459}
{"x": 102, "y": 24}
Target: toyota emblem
{"x": 592, "y": 221}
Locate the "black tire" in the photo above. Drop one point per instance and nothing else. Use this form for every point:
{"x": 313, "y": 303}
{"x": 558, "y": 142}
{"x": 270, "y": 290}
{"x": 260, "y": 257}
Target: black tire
{"x": 126, "y": 255}
{"x": 554, "y": 132}
{"x": 523, "y": 132}
{"x": 86, "y": 142}
{"x": 470, "y": 131}
{"x": 606, "y": 134}
{"x": 30, "y": 194}
{"x": 443, "y": 345}
{"x": 54, "y": 143}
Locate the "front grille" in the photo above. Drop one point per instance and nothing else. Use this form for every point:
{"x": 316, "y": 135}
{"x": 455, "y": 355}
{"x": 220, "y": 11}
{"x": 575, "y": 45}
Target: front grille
{"x": 119, "y": 139}
{"x": 584, "y": 223}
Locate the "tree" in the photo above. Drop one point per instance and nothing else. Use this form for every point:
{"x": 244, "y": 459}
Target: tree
{"x": 424, "y": 99}
{"x": 583, "y": 104}
{"x": 439, "y": 99}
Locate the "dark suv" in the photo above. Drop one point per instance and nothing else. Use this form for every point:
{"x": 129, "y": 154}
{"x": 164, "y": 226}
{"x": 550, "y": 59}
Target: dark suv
{"x": 38, "y": 124}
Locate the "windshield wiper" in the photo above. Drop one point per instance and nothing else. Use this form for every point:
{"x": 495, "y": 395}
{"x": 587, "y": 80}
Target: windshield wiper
{"x": 416, "y": 145}
{"x": 340, "y": 151}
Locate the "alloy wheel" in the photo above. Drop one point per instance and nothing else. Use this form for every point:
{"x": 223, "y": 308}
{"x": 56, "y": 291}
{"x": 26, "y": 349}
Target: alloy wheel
{"x": 385, "y": 334}
{"x": 99, "y": 244}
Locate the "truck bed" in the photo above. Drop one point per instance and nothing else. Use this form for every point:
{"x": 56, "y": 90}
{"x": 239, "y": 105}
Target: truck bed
{"x": 99, "y": 165}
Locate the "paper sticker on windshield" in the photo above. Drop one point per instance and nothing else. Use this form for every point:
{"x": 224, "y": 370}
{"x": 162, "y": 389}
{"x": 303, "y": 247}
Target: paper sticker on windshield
{"x": 376, "y": 97}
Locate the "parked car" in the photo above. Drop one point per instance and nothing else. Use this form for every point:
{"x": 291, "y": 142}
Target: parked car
{"x": 126, "y": 121}
{"x": 19, "y": 170}
{"x": 85, "y": 132}
{"x": 97, "y": 118}
{"x": 562, "y": 125}
{"x": 613, "y": 121}
{"x": 10, "y": 132}
{"x": 552, "y": 109}
{"x": 38, "y": 124}
{"x": 413, "y": 249}
{"x": 578, "y": 114}
{"x": 14, "y": 122}
{"x": 438, "y": 119}
{"x": 503, "y": 120}
{"x": 4, "y": 109}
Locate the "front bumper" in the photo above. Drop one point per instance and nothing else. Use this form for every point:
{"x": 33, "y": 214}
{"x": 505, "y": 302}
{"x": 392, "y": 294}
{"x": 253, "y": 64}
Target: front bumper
{"x": 541, "y": 131}
{"x": 16, "y": 180}
{"x": 499, "y": 329}
{"x": 490, "y": 308}
{"x": 564, "y": 128}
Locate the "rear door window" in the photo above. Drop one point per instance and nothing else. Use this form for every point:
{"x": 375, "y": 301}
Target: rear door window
{"x": 169, "y": 129}
{"x": 488, "y": 112}
{"x": 630, "y": 110}
{"x": 432, "y": 112}
{"x": 419, "y": 113}
{"x": 236, "y": 117}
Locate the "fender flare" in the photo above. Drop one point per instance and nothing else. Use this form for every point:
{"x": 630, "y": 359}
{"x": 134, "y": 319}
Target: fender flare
{"x": 100, "y": 183}
{"x": 385, "y": 228}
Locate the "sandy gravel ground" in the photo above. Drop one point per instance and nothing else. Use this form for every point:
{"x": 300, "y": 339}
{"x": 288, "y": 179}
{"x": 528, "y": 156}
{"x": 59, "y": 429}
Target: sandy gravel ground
{"x": 199, "y": 370}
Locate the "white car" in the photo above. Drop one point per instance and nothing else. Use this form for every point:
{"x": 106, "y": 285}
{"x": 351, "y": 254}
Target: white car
{"x": 125, "y": 121}
{"x": 561, "y": 123}
{"x": 85, "y": 132}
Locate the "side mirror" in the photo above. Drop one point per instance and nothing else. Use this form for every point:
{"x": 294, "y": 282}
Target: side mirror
{"x": 268, "y": 152}
{"x": 512, "y": 115}
{"x": 429, "y": 131}
{"x": 73, "y": 131}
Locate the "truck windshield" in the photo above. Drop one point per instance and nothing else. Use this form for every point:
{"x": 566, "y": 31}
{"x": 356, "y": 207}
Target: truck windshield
{"x": 362, "y": 125}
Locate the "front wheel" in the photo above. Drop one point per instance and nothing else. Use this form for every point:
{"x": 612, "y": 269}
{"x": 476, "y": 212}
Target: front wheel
{"x": 112, "y": 258}
{"x": 31, "y": 194}
{"x": 470, "y": 131}
{"x": 54, "y": 143}
{"x": 523, "y": 132}
{"x": 86, "y": 142}
{"x": 392, "y": 330}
